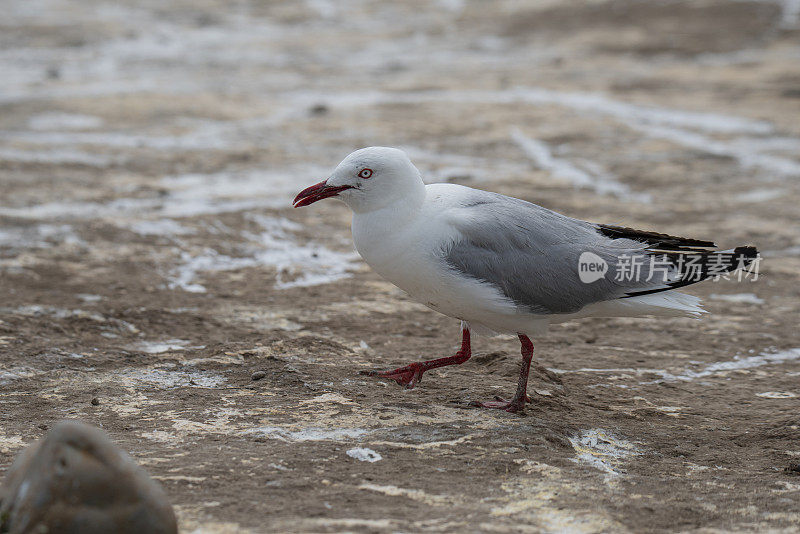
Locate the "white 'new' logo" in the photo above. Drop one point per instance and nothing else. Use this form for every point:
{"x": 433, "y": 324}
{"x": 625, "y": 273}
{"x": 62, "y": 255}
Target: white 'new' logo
{"x": 591, "y": 267}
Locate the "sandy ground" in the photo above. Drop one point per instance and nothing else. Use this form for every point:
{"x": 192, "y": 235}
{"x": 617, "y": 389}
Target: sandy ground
{"x": 149, "y": 258}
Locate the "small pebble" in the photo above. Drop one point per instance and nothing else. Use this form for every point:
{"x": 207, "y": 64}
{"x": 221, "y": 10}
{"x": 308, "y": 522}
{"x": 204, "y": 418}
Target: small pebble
{"x": 95, "y": 401}
{"x": 258, "y": 375}
{"x": 364, "y": 455}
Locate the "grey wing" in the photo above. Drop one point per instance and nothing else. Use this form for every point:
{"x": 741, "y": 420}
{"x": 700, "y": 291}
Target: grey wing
{"x": 533, "y": 255}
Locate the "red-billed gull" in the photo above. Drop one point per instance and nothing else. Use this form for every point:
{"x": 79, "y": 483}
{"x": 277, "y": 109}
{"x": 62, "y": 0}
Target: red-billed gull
{"x": 504, "y": 265}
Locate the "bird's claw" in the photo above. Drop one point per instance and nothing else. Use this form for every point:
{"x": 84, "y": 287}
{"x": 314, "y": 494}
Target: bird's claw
{"x": 408, "y": 376}
{"x": 527, "y": 398}
{"x": 514, "y": 405}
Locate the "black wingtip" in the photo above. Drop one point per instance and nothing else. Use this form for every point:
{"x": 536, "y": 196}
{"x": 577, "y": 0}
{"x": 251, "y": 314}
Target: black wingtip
{"x": 728, "y": 261}
{"x": 664, "y": 241}
{"x": 745, "y": 256}
{"x": 746, "y": 251}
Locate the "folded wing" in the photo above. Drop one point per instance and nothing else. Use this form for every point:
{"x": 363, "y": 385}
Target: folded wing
{"x": 533, "y": 255}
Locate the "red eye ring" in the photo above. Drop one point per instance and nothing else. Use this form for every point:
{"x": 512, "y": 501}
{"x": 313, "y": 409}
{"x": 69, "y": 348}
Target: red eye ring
{"x": 365, "y": 173}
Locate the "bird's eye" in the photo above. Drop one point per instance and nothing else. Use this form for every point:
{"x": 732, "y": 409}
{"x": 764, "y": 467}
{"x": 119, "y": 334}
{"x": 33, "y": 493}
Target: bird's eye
{"x": 365, "y": 173}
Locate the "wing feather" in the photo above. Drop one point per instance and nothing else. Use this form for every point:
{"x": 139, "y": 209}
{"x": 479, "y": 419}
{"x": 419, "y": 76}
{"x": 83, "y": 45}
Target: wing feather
{"x": 532, "y": 254}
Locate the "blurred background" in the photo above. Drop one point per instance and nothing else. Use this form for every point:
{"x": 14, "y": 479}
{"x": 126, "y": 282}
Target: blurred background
{"x": 149, "y": 152}
{"x": 151, "y": 119}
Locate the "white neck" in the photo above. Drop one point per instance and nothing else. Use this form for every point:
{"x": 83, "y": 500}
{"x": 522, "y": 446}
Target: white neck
{"x": 377, "y": 232}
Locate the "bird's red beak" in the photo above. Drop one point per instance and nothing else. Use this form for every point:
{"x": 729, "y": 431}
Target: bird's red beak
{"x": 309, "y": 195}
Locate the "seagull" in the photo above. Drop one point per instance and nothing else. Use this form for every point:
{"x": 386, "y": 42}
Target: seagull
{"x": 502, "y": 265}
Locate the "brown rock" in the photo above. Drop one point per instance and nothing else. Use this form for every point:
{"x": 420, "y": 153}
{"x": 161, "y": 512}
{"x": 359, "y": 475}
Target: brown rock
{"x": 258, "y": 375}
{"x": 75, "y": 480}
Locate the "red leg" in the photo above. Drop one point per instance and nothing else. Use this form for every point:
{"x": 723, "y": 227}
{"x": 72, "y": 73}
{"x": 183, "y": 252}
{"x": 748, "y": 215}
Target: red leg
{"x": 517, "y": 404}
{"x": 411, "y": 374}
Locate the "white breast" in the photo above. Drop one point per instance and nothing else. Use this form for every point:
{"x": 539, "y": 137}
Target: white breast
{"x": 408, "y": 251}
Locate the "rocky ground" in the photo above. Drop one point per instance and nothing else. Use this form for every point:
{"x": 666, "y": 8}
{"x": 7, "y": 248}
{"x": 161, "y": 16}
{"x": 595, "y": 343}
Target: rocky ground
{"x": 150, "y": 262}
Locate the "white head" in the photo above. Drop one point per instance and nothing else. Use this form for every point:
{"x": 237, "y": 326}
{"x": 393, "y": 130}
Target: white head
{"x": 369, "y": 179}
